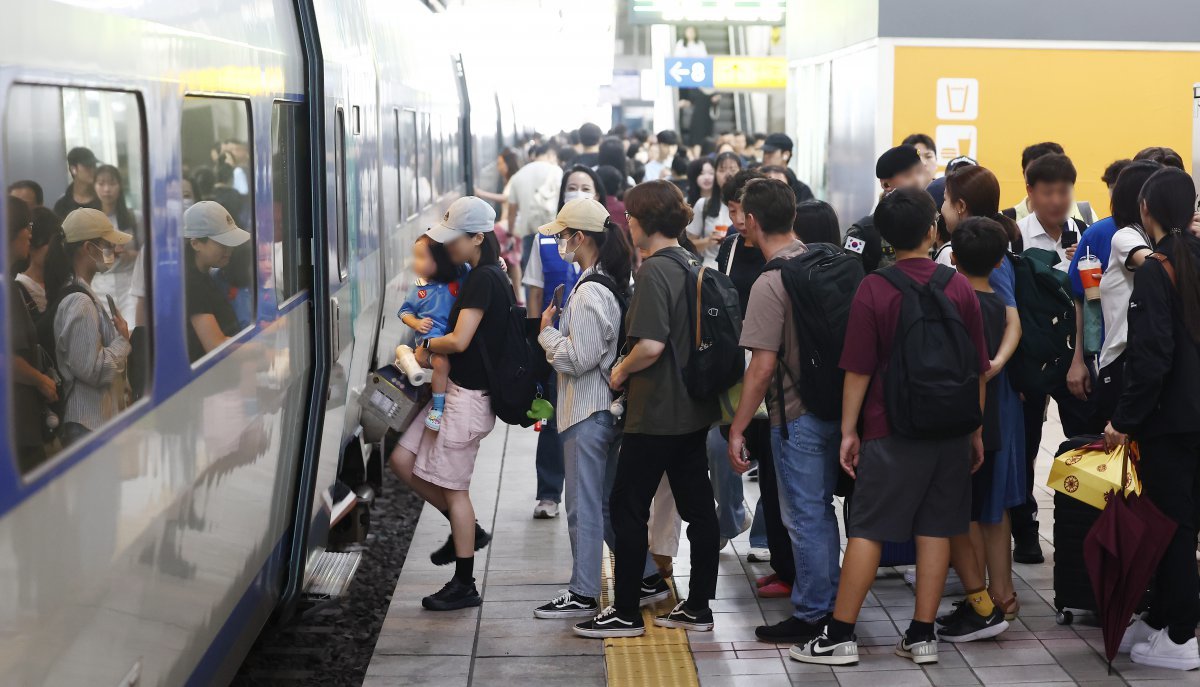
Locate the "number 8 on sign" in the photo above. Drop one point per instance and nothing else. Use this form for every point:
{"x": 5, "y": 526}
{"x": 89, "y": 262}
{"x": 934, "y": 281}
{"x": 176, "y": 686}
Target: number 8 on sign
{"x": 698, "y": 71}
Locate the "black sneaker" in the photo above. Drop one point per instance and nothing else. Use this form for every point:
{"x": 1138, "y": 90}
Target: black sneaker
{"x": 611, "y": 624}
{"x": 569, "y": 605}
{"x": 961, "y": 606}
{"x": 444, "y": 555}
{"x": 969, "y": 626}
{"x": 654, "y": 589}
{"x": 686, "y": 619}
{"x": 790, "y": 630}
{"x": 823, "y": 651}
{"x": 453, "y": 596}
{"x": 1028, "y": 550}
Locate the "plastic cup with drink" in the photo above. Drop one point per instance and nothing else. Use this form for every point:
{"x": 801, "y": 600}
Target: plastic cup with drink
{"x": 1090, "y": 271}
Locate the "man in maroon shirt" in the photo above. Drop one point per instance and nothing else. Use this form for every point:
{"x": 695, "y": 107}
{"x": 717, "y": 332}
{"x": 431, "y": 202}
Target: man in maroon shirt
{"x": 904, "y": 487}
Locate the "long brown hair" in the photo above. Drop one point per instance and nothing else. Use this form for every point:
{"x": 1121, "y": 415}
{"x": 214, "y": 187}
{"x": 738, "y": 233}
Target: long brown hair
{"x": 979, "y": 189}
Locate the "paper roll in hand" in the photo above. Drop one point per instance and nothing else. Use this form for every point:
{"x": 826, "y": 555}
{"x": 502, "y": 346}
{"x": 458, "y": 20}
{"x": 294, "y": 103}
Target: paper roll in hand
{"x": 407, "y": 363}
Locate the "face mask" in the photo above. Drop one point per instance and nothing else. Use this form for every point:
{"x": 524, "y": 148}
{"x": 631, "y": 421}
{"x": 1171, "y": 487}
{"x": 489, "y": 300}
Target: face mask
{"x": 105, "y": 262}
{"x": 566, "y": 255}
{"x": 574, "y": 195}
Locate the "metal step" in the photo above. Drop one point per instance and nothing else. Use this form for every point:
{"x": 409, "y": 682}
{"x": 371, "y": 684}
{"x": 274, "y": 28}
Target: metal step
{"x": 331, "y": 574}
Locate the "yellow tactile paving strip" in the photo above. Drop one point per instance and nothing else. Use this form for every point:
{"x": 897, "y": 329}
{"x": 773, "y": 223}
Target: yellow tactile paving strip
{"x": 660, "y": 657}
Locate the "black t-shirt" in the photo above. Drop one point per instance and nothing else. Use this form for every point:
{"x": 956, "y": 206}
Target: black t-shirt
{"x": 586, "y": 159}
{"x": 991, "y": 307}
{"x": 28, "y": 406}
{"x": 205, "y": 298}
{"x": 65, "y": 204}
{"x": 748, "y": 263}
{"x": 487, "y": 289}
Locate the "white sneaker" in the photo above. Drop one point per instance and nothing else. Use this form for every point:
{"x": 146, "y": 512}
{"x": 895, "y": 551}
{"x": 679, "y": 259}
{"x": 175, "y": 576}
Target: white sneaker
{"x": 759, "y": 556}
{"x": 747, "y": 517}
{"x": 545, "y": 510}
{"x": 1161, "y": 652}
{"x": 1137, "y": 632}
{"x": 954, "y": 585}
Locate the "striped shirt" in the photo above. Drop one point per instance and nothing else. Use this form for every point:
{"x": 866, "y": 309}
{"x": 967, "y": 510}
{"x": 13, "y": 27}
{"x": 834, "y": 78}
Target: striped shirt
{"x": 582, "y": 350}
{"x": 91, "y": 358}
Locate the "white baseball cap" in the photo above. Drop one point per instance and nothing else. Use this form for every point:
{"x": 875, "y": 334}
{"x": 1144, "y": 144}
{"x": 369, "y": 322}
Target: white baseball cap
{"x": 209, "y": 219}
{"x": 467, "y": 215}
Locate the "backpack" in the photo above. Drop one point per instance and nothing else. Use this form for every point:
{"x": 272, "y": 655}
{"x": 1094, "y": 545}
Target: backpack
{"x": 1047, "y": 312}
{"x": 618, "y": 293}
{"x": 512, "y": 378}
{"x": 715, "y": 361}
{"x": 820, "y": 283}
{"x": 45, "y": 323}
{"x": 545, "y": 202}
{"x": 931, "y": 386}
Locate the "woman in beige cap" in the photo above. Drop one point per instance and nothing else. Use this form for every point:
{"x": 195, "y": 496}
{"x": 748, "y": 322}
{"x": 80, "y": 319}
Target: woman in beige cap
{"x": 92, "y": 345}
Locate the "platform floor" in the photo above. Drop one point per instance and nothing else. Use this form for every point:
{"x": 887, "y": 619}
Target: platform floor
{"x": 529, "y": 562}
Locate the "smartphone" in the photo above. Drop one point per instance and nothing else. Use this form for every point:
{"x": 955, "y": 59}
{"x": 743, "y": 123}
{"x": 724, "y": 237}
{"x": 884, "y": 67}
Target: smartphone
{"x": 1069, "y": 238}
{"x": 556, "y": 299}
{"x": 112, "y": 306}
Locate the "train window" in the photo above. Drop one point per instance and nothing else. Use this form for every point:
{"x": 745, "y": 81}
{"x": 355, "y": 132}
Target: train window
{"x": 426, "y": 162}
{"x": 219, "y": 254}
{"x": 290, "y": 199}
{"x": 339, "y": 161}
{"x": 438, "y": 140}
{"x": 78, "y": 292}
{"x": 406, "y": 155}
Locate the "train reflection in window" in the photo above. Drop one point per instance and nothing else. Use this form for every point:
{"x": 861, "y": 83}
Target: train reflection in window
{"x": 79, "y": 330}
{"x": 218, "y": 250}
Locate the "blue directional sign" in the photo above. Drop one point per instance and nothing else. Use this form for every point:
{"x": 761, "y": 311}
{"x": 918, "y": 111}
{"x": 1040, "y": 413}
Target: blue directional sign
{"x": 689, "y": 72}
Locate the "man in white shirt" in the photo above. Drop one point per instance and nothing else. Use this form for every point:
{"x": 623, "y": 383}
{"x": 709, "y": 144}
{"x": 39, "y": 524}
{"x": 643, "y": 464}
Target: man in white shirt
{"x": 1080, "y": 210}
{"x": 1050, "y": 183}
{"x": 533, "y": 195}
{"x": 660, "y": 167}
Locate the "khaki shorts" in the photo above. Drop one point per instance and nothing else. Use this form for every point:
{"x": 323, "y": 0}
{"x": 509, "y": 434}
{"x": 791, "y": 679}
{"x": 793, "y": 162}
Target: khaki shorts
{"x": 447, "y": 458}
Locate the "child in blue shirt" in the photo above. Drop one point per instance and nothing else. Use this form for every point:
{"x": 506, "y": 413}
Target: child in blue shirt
{"x": 427, "y": 311}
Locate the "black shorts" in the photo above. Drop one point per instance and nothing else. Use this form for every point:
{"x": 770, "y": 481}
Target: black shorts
{"x": 911, "y": 487}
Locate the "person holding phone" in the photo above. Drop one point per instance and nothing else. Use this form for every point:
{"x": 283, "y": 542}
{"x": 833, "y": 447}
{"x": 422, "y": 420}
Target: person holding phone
{"x": 1050, "y": 182}
{"x": 92, "y": 346}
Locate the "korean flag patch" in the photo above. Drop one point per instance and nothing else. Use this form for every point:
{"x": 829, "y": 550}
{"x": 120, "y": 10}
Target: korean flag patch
{"x": 855, "y": 245}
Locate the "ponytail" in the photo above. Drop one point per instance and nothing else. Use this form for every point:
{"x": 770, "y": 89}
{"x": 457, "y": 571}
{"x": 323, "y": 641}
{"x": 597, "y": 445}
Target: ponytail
{"x": 615, "y": 254}
{"x": 60, "y": 266}
{"x": 1187, "y": 279}
{"x": 1170, "y": 198}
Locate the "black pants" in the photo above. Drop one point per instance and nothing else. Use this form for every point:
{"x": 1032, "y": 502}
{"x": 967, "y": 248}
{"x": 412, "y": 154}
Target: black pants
{"x": 643, "y": 460}
{"x": 779, "y": 542}
{"x": 1078, "y": 417}
{"x": 1170, "y": 474}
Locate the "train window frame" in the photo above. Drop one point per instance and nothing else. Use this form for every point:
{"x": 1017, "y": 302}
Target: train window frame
{"x": 299, "y": 281}
{"x": 246, "y": 107}
{"x": 425, "y": 159}
{"x": 143, "y": 202}
{"x": 340, "y": 192}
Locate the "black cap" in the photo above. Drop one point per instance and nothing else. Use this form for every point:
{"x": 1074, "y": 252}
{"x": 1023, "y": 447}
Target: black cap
{"x": 777, "y": 142}
{"x": 897, "y": 160}
{"x": 668, "y": 137}
{"x": 81, "y": 156}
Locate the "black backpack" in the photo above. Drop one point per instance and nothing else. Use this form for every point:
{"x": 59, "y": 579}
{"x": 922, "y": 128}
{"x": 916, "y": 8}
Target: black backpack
{"x": 620, "y": 294}
{"x": 512, "y": 375}
{"x": 820, "y": 283}
{"x": 45, "y": 322}
{"x": 931, "y": 386}
{"x": 1047, "y": 313}
{"x": 715, "y": 362}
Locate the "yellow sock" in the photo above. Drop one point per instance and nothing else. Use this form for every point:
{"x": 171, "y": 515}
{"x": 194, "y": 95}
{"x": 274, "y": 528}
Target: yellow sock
{"x": 981, "y": 601}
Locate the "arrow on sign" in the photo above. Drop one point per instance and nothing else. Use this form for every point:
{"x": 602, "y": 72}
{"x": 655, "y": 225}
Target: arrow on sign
{"x": 678, "y": 71}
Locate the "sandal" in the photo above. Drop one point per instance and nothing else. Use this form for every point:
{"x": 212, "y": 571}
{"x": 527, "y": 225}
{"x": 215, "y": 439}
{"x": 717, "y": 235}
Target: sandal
{"x": 1011, "y": 606}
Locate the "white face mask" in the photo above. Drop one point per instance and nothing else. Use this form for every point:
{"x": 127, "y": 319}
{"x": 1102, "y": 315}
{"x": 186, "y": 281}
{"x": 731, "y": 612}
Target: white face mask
{"x": 105, "y": 261}
{"x": 575, "y": 195}
{"x": 566, "y": 255}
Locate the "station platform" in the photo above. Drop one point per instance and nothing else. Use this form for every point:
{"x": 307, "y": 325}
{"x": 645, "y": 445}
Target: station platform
{"x": 529, "y": 562}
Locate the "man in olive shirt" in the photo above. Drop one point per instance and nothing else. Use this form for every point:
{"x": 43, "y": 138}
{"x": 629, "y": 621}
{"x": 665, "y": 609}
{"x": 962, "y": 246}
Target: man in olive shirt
{"x": 807, "y": 459}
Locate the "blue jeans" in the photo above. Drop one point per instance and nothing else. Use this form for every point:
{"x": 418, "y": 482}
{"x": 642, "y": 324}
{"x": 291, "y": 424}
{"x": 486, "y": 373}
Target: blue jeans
{"x": 727, "y": 487}
{"x": 549, "y": 463}
{"x": 758, "y": 529}
{"x": 590, "y": 451}
{"x": 806, "y": 467}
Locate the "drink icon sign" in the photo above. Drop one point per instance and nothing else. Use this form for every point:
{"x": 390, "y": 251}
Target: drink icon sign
{"x": 957, "y": 99}
{"x": 953, "y": 140}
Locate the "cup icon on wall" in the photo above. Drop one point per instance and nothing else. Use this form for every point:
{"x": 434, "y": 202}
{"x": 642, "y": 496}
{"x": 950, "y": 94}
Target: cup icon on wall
{"x": 957, "y": 99}
{"x": 955, "y": 140}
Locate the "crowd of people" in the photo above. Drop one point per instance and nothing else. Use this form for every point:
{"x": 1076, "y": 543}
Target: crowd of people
{"x": 78, "y": 306}
{"x": 894, "y": 364}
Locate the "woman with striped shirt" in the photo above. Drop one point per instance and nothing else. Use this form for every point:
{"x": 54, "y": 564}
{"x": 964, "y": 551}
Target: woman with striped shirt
{"x": 582, "y": 350}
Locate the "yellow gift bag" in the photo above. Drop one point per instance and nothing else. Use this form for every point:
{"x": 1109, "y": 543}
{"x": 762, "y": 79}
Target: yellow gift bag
{"x": 1091, "y": 475}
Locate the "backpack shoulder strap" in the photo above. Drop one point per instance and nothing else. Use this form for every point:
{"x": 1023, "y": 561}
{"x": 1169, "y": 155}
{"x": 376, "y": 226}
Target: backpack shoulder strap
{"x": 1011, "y": 213}
{"x": 1166, "y": 264}
{"x": 897, "y": 278}
{"x": 941, "y": 277}
{"x": 1080, "y": 225}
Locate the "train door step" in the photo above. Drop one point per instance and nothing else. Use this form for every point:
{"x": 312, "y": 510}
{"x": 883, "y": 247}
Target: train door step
{"x": 332, "y": 574}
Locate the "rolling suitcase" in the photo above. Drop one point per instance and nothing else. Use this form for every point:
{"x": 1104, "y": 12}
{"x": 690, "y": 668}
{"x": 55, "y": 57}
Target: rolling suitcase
{"x": 1072, "y": 521}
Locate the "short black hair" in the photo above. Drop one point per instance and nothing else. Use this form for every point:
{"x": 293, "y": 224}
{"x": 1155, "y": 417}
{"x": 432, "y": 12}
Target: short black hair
{"x": 1037, "y": 150}
{"x": 904, "y": 217}
{"x": 1162, "y": 155}
{"x": 1050, "y": 169}
{"x": 589, "y": 134}
{"x": 19, "y": 217}
{"x": 30, "y": 185}
{"x": 923, "y": 139}
{"x": 732, "y": 190}
{"x": 1113, "y": 170}
{"x": 1127, "y": 191}
{"x": 978, "y": 244}
{"x": 772, "y": 203}
{"x": 817, "y": 222}
{"x": 679, "y": 165}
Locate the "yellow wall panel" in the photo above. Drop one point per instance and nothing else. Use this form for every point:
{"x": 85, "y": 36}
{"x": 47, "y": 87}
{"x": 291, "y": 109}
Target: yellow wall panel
{"x": 1101, "y": 105}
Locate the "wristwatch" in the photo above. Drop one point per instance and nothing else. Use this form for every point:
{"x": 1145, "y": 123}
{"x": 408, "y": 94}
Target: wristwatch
{"x": 425, "y": 345}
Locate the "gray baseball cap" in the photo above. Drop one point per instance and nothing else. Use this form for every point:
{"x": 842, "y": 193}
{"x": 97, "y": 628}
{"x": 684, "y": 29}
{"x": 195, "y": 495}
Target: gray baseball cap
{"x": 467, "y": 215}
{"x": 209, "y": 219}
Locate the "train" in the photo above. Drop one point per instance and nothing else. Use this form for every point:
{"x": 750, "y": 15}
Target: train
{"x": 154, "y": 551}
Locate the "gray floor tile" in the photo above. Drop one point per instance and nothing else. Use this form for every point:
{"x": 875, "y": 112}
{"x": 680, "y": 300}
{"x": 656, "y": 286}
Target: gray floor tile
{"x": 561, "y": 644}
{"x": 1015, "y": 675}
{"x": 948, "y": 677}
{"x": 906, "y": 678}
{"x": 738, "y": 666}
{"x": 419, "y": 666}
{"x": 541, "y": 667}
